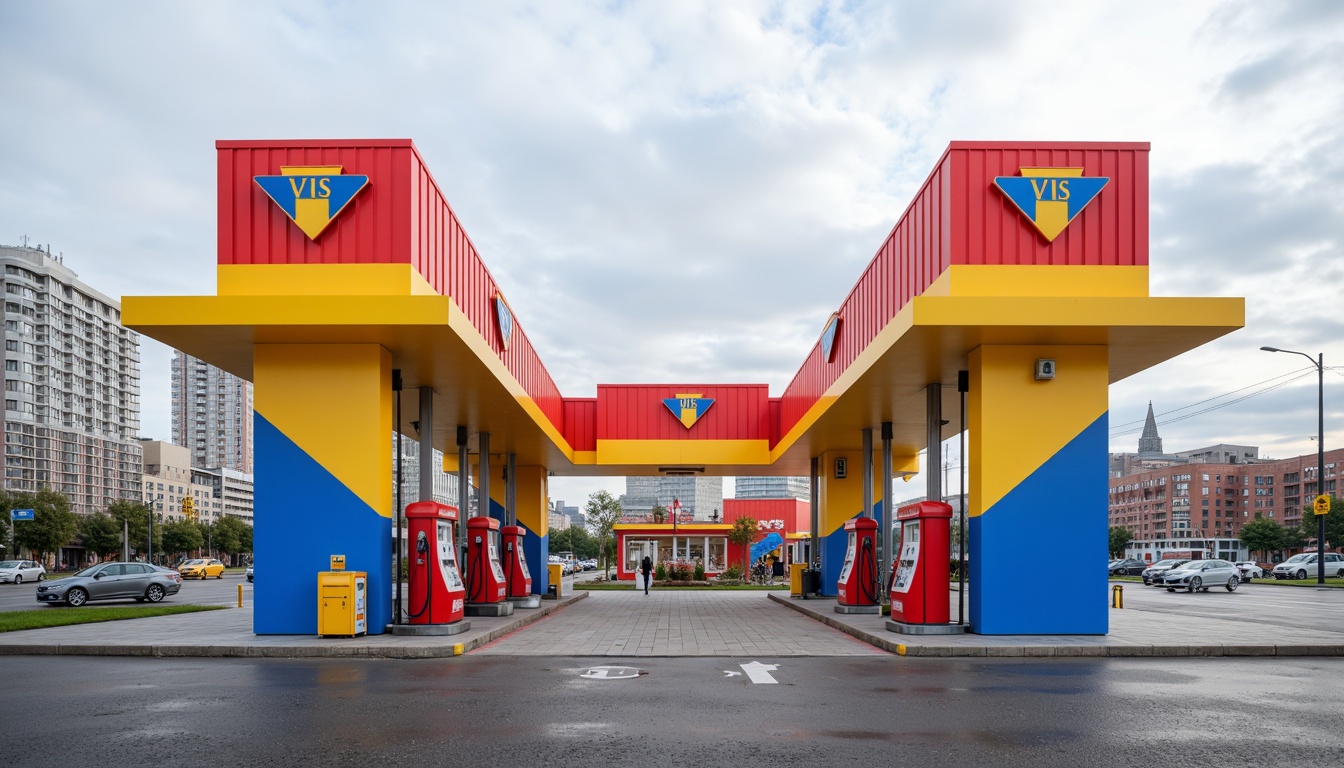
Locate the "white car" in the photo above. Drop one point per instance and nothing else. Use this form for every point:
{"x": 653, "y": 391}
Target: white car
{"x": 1304, "y": 566}
{"x": 19, "y": 571}
{"x": 1250, "y": 569}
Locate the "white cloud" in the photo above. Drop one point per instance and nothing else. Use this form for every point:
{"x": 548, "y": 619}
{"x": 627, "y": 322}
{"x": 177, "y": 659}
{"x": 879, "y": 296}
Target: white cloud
{"x": 675, "y": 191}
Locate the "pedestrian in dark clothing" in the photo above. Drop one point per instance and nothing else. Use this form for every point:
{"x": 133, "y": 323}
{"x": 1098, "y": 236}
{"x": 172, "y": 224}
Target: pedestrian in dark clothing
{"x": 646, "y": 571}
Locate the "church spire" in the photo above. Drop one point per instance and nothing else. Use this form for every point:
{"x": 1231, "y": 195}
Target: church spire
{"x": 1149, "y": 442}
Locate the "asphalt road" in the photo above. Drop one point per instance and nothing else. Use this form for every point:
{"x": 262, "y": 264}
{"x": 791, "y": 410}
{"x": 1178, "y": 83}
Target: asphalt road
{"x": 1277, "y": 607}
{"x": 512, "y": 711}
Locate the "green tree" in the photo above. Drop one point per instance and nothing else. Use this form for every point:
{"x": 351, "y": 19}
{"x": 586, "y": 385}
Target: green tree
{"x": 52, "y": 527}
{"x": 229, "y": 534}
{"x": 101, "y": 534}
{"x": 135, "y": 515}
{"x": 574, "y": 539}
{"x": 7, "y": 503}
{"x": 1120, "y": 538}
{"x": 659, "y": 513}
{"x": 180, "y": 537}
{"x": 602, "y": 513}
{"x": 1263, "y": 535}
{"x": 743, "y": 533}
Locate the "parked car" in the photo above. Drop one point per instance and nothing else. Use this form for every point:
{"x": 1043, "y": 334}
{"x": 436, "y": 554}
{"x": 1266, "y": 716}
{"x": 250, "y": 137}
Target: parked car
{"x": 1250, "y": 569}
{"x": 1201, "y": 574}
{"x": 19, "y": 571}
{"x": 1304, "y": 565}
{"x": 201, "y": 568}
{"x": 1153, "y": 573}
{"x": 112, "y": 581}
{"x": 249, "y": 574}
{"x": 1130, "y": 566}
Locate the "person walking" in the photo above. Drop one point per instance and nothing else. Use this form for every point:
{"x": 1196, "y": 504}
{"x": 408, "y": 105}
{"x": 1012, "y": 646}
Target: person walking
{"x": 646, "y": 572}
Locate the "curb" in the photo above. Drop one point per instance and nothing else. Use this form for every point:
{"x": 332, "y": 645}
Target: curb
{"x": 1058, "y": 650}
{"x": 242, "y": 650}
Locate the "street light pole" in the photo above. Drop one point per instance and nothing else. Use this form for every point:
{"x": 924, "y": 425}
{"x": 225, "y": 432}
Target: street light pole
{"x": 1319, "y": 362}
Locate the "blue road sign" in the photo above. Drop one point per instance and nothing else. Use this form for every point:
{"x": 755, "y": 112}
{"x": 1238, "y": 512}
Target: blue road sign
{"x": 20, "y": 514}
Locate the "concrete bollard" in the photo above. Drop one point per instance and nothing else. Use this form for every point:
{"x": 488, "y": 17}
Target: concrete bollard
{"x": 1118, "y": 596}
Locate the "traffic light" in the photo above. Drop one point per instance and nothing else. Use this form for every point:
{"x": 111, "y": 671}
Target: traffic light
{"x": 189, "y": 508}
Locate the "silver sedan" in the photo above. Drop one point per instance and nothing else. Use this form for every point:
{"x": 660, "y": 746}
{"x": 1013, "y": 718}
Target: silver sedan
{"x": 1198, "y": 575}
{"x": 112, "y": 581}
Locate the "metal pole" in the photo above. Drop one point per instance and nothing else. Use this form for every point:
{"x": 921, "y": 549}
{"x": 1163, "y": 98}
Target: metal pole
{"x": 396, "y": 404}
{"x": 150, "y": 546}
{"x": 1320, "y": 466}
{"x": 867, "y": 472}
{"x": 963, "y": 386}
{"x": 511, "y": 490}
{"x": 814, "y": 544}
{"x": 463, "y": 491}
{"x": 426, "y": 444}
{"x": 483, "y": 476}
{"x": 884, "y": 539}
{"x": 934, "y": 425}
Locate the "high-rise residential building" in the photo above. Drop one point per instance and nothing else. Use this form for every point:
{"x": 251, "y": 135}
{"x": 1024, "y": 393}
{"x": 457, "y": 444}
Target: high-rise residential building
{"x": 212, "y": 414}
{"x": 72, "y": 385}
{"x": 700, "y": 497}
{"x": 772, "y": 488}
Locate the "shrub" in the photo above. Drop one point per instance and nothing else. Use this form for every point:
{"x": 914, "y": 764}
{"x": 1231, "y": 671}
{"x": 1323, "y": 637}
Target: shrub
{"x": 699, "y": 574}
{"x": 660, "y": 573}
{"x": 732, "y": 573}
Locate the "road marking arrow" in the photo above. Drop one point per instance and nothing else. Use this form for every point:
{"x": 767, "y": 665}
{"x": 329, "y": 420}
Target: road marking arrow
{"x": 760, "y": 673}
{"x": 730, "y": 673}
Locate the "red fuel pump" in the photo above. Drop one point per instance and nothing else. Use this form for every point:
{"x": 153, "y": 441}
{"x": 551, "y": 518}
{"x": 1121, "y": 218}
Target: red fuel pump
{"x": 858, "y": 585}
{"x": 919, "y": 583}
{"x": 516, "y": 576}
{"x": 437, "y": 594}
{"x": 485, "y": 577}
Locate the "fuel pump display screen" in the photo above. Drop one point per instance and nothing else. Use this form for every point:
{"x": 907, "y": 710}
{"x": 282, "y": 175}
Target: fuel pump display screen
{"x": 849, "y": 559}
{"x": 494, "y": 556}
{"x": 448, "y": 556}
{"x": 522, "y": 564}
{"x": 905, "y": 567}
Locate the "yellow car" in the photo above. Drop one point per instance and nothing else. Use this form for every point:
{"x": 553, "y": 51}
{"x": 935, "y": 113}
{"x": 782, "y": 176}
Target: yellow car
{"x": 201, "y": 568}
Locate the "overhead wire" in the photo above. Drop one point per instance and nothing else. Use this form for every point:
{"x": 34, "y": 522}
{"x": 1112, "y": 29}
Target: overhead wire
{"x": 1126, "y": 428}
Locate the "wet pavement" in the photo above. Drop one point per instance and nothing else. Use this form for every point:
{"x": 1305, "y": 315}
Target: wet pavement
{"x": 725, "y": 624}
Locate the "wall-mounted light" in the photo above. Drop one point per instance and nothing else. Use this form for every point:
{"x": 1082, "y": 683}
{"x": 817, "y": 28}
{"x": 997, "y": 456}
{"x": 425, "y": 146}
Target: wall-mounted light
{"x": 841, "y": 468}
{"x": 1045, "y": 369}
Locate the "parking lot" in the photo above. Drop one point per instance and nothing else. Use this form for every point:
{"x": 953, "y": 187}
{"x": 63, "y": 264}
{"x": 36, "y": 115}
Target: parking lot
{"x": 1276, "y": 606}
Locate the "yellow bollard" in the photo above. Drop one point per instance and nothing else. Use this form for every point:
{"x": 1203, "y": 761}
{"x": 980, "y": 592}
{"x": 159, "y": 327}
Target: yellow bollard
{"x": 1118, "y": 596}
{"x": 240, "y": 595}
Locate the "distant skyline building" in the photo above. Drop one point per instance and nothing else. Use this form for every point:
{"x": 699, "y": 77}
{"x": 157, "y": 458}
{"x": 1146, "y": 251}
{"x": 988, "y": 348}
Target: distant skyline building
{"x": 772, "y": 488}
{"x": 700, "y": 497}
{"x": 72, "y": 385}
{"x": 212, "y": 414}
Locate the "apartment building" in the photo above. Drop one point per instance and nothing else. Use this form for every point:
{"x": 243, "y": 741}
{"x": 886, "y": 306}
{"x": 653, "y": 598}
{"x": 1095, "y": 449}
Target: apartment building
{"x": 72, "y": 385}
{"x": 212, "y": 414}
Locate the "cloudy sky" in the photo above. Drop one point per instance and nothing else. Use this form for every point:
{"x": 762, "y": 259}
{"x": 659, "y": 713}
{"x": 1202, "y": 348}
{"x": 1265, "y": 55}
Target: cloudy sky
{"x": 684, "y": 191}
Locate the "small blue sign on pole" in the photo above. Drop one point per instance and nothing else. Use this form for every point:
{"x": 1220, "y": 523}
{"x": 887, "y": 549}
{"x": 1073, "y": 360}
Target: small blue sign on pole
{"x": 20, "y": 514}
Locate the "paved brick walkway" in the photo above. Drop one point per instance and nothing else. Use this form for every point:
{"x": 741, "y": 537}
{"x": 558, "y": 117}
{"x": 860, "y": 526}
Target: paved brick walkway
{"x": 677, "y": 623}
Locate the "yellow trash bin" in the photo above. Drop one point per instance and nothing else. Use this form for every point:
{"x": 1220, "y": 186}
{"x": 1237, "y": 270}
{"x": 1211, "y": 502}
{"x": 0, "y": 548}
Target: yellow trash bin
{"x": 555, "y": 577}
{"x": 796, "y": 579}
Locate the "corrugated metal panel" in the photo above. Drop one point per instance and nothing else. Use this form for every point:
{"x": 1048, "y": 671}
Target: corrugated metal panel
{"x": 958, "y": 217}
{"x": 372, "y": 229}
{"x": 580, "y": 427}
{"x": 637, "y": 412}
{"x": 400, "y": 218}
{"x": 1111, "y": 230}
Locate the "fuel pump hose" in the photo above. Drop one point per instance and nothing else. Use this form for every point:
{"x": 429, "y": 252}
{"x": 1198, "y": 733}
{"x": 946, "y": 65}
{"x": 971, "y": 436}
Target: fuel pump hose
{"x": 422, "y": 549}
{"x": 868, "y": 559}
